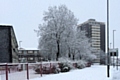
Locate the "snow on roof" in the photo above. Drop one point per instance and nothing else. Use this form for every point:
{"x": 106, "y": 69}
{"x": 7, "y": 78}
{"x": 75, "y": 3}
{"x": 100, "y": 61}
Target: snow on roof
{"x": 5, "y": 24}
{"x": 31, "y": 49}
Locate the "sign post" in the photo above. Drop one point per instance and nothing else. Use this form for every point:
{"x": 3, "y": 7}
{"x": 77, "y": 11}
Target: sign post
{"x": 117, "y": 60}
{"x": 114, "y": 52}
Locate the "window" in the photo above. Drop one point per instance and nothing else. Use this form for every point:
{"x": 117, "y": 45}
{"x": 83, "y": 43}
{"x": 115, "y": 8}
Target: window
{"x": 30, "y": 58}
{"x": 35, "y": 51}
{"x": 24, "y": 52}
{"x": 20, "y": 51}
{"x": 30, "y": 51}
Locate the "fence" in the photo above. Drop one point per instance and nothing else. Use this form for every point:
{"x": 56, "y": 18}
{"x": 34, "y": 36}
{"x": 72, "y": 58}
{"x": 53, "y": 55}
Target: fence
{"x": 8, "y": 71}
{"x": 23, "y": 71}
{"x": 26, "y": 71}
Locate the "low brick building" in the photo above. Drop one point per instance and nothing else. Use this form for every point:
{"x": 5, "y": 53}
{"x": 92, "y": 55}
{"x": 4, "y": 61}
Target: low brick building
{"x": 8, "y": 45}
{"x": 30, "y": 56}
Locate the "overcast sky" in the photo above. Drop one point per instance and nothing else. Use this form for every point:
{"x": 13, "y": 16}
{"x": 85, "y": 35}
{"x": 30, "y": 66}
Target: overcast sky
{"x": 26, "y": 15}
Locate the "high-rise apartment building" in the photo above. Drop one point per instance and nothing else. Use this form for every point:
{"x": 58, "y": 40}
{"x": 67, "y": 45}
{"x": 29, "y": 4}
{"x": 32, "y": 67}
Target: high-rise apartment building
{"x": 96, "y": 32}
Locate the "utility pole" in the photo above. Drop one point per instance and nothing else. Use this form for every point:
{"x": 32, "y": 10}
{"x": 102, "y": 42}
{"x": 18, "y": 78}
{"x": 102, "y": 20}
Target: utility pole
{"x": 108, "y": 54}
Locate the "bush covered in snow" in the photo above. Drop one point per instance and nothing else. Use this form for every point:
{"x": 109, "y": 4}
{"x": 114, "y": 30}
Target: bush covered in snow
{"x": 65, "y": 64}
{"x": 64, "y": 67}
{"x": 81, "y": 64}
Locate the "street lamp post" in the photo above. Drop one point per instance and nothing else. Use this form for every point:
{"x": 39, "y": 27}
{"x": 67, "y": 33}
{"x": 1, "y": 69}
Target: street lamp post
{"x": 20, "y": 44}
{"x": 108, "y": 55}
{"x": 113, "y": 38}
{"x": 116, "y": 52}
{"x": 113, "y": 46}
{"x": 110, "y": 45}
{"x": 20, "y": 53}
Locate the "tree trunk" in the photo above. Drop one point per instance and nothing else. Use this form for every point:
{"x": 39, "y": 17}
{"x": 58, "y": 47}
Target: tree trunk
{"x": 69, "y": 53}
{"x": 73, "y": 57}
{"x": 58, "y": 52}
{"x": 73, "y": 54}
{"x": 80, "y": 57}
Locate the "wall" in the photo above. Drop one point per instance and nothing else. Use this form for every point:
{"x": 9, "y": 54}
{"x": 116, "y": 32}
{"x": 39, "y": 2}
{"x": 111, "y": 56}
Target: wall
{"x": 4, "y": 44}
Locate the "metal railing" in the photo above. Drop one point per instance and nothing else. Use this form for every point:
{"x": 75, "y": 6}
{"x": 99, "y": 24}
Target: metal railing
{"x": 26, "y": 71}
{"x": 22, "y": 71}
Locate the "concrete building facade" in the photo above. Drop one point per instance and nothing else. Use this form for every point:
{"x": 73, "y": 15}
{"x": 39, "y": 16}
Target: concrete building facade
{"x": 8, "y": 45}
{"x": 96, "y": 32}
{"x": 30, "y": 56}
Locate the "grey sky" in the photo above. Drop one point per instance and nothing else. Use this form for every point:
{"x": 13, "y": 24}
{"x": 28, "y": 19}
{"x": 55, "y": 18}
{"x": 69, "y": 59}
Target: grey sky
{"x": 26, "y": 15}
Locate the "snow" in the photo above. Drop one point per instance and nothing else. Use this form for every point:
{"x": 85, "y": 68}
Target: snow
{"x": 116, "y": 74}
{"x": 92, "y": 73}
{"x": 95, "y": 72}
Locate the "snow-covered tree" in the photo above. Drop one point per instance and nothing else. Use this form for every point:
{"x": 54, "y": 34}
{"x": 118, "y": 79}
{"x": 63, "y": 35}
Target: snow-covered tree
{"x": 103, "y": 57}
{"x": 58, "y": 24}
{"x": 59, "y": 37}
{"x": 83, "y": 47}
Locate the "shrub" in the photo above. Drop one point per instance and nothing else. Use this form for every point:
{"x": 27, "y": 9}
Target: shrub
{"x": 81, "y": 64}
{"x": 46, "y": 69}
{"x": 65, "y": 64}
{"x": 64, "y": 67}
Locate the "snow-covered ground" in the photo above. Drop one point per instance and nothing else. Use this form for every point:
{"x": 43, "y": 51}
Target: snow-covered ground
{"x": 116, "y": 74}
{"x": 95, "y": 72}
